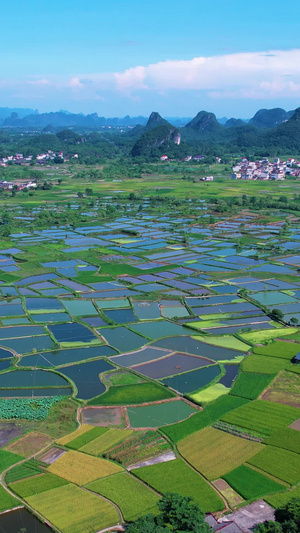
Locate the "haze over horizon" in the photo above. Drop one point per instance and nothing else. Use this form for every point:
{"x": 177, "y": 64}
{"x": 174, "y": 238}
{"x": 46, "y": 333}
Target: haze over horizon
{"x": 118, "y": 58}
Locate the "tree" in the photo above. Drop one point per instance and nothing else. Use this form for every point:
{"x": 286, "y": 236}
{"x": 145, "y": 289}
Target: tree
{"x": 277, "y": 314}
{"x": 182, "y": 514}
{"x": 269, "y": 527}
{"x": 294, "y": 321}
{"x": 178, "y": 514}
{"x": 146, "y": 524}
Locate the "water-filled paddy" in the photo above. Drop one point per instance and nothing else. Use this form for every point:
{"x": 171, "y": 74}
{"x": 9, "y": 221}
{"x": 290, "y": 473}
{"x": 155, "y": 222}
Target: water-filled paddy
{"x": 35, "y": 393}
{"x": 196, "y": 347}
{"x": 72, "y": 332}
{"x": 41, "y": 318}
{"x": 157, "y": 415}
{"x": 273, "y": 298}
{"x": 32, "y": 378}
{"x": 122, "y": 339}
{"x": 121, "y": 316}
{"x": 192, "y": 381}
{"x": 231, "y": 372}
{"x": 86, "y": 377}
{"x": 80, "y": 307}
{"x": 28, "y": 344}
{"x": 112, "y": 304}
{"x": 170, "y": 365}
{"x": 63, "y": 357}
{"x": 43, "y": 304}
{"x": 146, "y": 310}
{"x": 21, "y": 331}
{"x": 141, "y": 356}
{"x": 158, "y": 329}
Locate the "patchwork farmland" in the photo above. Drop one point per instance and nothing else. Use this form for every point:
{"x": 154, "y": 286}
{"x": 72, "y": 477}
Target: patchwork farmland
{"x": 145, "y": 353}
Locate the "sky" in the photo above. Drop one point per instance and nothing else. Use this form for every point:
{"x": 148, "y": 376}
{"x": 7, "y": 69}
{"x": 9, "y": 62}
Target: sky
{"x": 119, "y": 57}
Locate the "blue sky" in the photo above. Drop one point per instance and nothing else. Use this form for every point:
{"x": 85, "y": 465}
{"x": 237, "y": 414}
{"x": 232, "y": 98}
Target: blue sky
{"x": 118, "y": 57}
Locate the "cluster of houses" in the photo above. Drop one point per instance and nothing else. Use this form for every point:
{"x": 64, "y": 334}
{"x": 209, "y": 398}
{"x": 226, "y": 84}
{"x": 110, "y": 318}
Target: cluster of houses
{"x": 17, "y": 185}
{"x": 265, "y": 169}
{"x": 40, "y": 159}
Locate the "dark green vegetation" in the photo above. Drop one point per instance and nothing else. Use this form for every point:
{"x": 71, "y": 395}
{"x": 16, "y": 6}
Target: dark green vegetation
{"x": 208, "y": 416}
{"x": 177, "y": 513}
{"x": 132, "y": 394}
{"x": 250, "y": 385}
{"x": 178, "y": 476}
{"x": 250, "y": 483}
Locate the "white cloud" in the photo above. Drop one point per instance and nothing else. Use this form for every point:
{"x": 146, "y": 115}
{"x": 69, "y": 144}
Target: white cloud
{"x": 76, "y": 83}
{"x": 39, "y": 83}
{"x": 242, "y": 74}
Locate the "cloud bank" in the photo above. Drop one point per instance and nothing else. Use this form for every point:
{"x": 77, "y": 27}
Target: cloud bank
{"x": 266, "y": 75}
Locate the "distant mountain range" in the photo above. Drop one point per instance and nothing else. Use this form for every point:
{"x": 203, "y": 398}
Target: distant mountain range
{"x": 29, "y": 118}
{"x": 269, "y": 129}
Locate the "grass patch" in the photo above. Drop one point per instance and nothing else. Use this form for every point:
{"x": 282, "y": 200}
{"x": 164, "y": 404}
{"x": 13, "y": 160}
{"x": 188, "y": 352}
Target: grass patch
{"x": 123, "y": 378}
{"x": 263, "y": 364}
{"x": 282, "y": 464}
{"x": 262, "y": 416}
{"x": 214, "y": 453}
{"x": 250, "y": 483}
{"x": 279, "y": 500}
{"x": 132, "y": 394}
{"x": 8, "y": 459}
{"x": 37, "y": 484}
{"x": 118, "y": 488}
{"x": 86, "y": 437}
{"x": 286, "y": 438}
{"x": 226, "y": 341}
{"x": 7, "y": 501}
{"x": 211, "y": 413}
{"x": 105, "y": 441}
{"x": 84, "y": 428}
{"x": 81, "y": 469}
{"x": 176, "y": 476}
{"x": 210, "y": 394}
{"x": 281, "y": 349}
{"x": 257, "y": 337}
{"x": 73, "y": 510}
{"x": 250, "y": 385}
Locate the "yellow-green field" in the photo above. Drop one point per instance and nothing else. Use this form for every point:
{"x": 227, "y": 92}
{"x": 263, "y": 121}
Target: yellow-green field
{"x": 80, "y": 468}
{"x": 214, "y": 453}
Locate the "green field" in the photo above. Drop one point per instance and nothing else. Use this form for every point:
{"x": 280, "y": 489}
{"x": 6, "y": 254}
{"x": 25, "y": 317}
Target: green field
{"x": 132, "y": 394}
{"x": 214, "y": 453}
{"x": 279, "y": 500}
{"x": 250, "y": 385}
{"x": 226, "y": 341}
{"x": 86, "y": 437}
{"x": 74, "y": 510}
{"x": 286, "y": 438}
{"x": 37, "y": 484}
{"x": 257, "y": 337}
{"x": 105, "y": 441}
{"x": 8, "y": 459}
{"x": 282, "y": 464}
{"x": 7, "y": 501}
{"x": 177, "y": 476}
{"x": 132, "y": 497}
{"x": 209, "y": 415}
{"x": 263, "y": 364}
{"x": 251, "y": 484}
{"x": 281, "y": 349}
{"x": 262, "y": 416}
